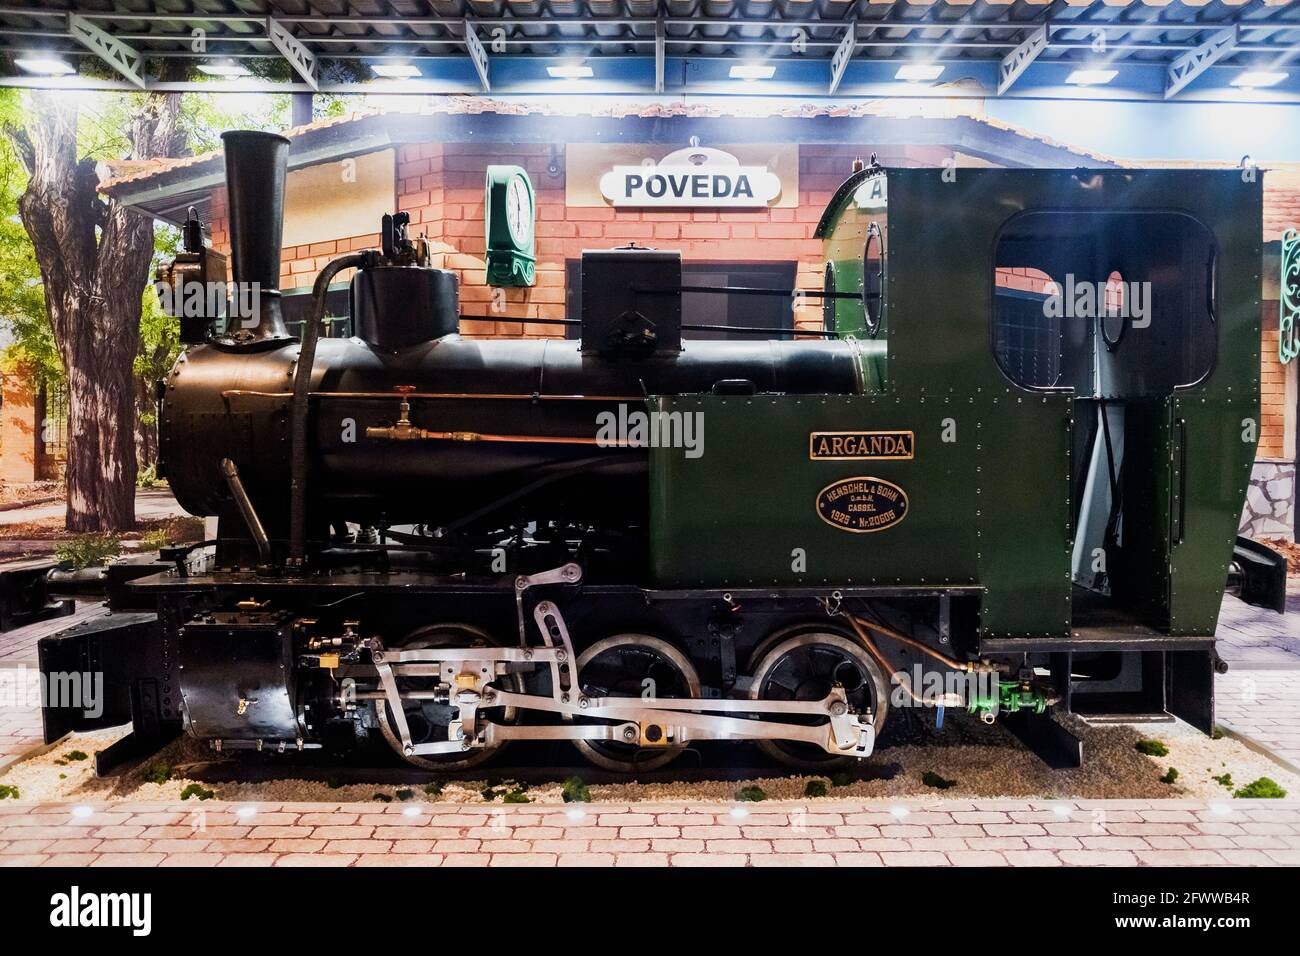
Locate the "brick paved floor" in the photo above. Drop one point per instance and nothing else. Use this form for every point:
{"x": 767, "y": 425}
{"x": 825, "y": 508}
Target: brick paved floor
{"x": 1259, "y": 697}
{"x": 948, "y": 833}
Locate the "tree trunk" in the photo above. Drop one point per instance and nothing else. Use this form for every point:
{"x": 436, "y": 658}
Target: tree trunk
{"x": 94, "y": 258}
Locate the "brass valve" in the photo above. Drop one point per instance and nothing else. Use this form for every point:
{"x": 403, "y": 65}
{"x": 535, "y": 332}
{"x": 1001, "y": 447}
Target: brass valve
{"x": 403, "y": 430}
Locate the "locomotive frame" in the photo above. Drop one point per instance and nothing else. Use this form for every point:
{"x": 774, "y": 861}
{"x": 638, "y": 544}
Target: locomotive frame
{"x": 449, "y": 579}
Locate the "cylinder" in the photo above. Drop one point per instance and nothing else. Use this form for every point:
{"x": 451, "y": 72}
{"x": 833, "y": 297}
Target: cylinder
{"x": 256, "y": 166}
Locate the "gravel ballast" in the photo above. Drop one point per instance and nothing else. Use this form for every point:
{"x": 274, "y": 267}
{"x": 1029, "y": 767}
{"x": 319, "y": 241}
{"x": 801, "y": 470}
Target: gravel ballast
{"x": 967, "y": 760}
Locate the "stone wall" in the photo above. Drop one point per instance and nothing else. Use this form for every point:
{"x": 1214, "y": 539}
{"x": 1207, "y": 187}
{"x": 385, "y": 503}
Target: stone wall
{"x": 1270, "y": 500}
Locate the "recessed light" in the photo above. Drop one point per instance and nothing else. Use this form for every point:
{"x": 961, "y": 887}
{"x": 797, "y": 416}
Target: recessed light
{"x": 1254, "y": 79}
{"x": 45, "y": 65}
{"x": 226, "y": 70}
{"x": 899, "y": 811}
{"x": 245, "y": 813}
{"x": 83, "y": 811}
{"x": 575, "y": 814}
{"x": 410, "y": 811}
{"x": 570, "y": 71}
{"x": 739, "y": 812}
{"x": 395, "y": 71}
{"x": 913, "y": 72}
{"x": 753, "y": 71}
{"x": 1091, "y": 77}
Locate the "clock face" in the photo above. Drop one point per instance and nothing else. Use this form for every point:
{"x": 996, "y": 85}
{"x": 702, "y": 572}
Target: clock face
{"x": 519, "y": 210}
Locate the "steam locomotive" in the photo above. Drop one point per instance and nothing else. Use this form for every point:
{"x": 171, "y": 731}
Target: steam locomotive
{"x": 451, "y": 544}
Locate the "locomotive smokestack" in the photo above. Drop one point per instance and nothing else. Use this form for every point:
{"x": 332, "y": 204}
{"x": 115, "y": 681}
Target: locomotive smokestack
{"x": 256, "y": 166}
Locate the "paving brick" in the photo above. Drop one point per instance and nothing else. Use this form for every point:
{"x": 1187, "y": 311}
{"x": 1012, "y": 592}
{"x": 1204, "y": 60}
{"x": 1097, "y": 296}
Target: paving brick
{"x": 248, "y": 859}
{"x": 707, "y": 859}
{"x": 585, "y": 859}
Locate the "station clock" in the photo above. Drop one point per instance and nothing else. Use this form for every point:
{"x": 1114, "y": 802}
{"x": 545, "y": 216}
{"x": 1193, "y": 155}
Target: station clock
{"x": 509, "y": 220}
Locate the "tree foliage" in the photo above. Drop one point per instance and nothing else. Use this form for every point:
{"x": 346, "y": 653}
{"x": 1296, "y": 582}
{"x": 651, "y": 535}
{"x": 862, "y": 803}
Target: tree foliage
{"x": 103, "y": 125}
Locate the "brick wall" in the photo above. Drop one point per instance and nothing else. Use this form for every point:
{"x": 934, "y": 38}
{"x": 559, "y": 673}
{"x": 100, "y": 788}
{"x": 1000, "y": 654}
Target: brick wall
{"x": 19, "y": 429}
{"x": 1272, "y": 388}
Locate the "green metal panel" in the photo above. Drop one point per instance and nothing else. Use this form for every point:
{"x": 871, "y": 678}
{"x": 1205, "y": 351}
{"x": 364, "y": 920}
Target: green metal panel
{"x": 736, "y": 515}
{"x": 1023, "y": 513}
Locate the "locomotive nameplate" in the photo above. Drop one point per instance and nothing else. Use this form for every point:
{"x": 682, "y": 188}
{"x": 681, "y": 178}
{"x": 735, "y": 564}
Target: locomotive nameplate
{"x": 848, "y": 446}
{"x": 862, "y": 505}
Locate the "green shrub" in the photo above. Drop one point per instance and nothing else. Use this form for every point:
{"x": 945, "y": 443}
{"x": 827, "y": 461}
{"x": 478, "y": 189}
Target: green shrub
{"x": 382, "y": 798}
{"x": 1265, "y": 788}
{"x": 1223, "y": 780}
{"x": 575, "y": 790}
{"x": 75, "y": 755}
{"x": 752, "y": 794}
{"x": 815, "y": 788}
{"x": 1152, "y": 748}
{"x": 155, "y": 540}
{"x": 435, "y": 788}
{"x": 841, "y": 779}
{"x": 8, "y": 792}
{"x": 1171, "y": 775}
{"x": 489, "y": 793}
{"x": 147, "y": 477}
{"x": 405, "y": 794}
{"x": 198, "y": 791}
{"x": 939, "y": 782}
{"x": 516, "y": 795}
{"x": 88, "y": 550}
{"x": 159, "y": 772}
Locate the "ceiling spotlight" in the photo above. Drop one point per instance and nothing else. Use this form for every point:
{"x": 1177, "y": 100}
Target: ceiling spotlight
{"x": 753, "y": 71}
{"x": 1254, "y": 79}
{"x": 570, "y": 71}
{"x": 226, "y": 70}
{"x": 45, "y": 65}
{"x": 395, "y": 71}
{"x": 1091, "y": 77}
{"x": 916, "y": 72}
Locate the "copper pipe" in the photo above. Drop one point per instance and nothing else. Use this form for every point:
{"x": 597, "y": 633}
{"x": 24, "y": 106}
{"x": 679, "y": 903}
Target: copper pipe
{"x": 248, "y": 393}
{"x": 966, "y": 666}
{"x": 418, "y": 434}
{"x": 948, "y": 700}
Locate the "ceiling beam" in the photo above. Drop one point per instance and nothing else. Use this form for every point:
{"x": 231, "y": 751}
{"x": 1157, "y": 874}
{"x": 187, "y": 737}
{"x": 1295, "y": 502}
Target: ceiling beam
{"x": 1195, "y": 62}
{"x": 477, "y": 54}
{"x": 292, "y": 49}
{"x": 843, "y": 53}
{"x": 660, "y": 54}
{"x": 1018, "y": 60}
{"x": 124, "y": 59}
